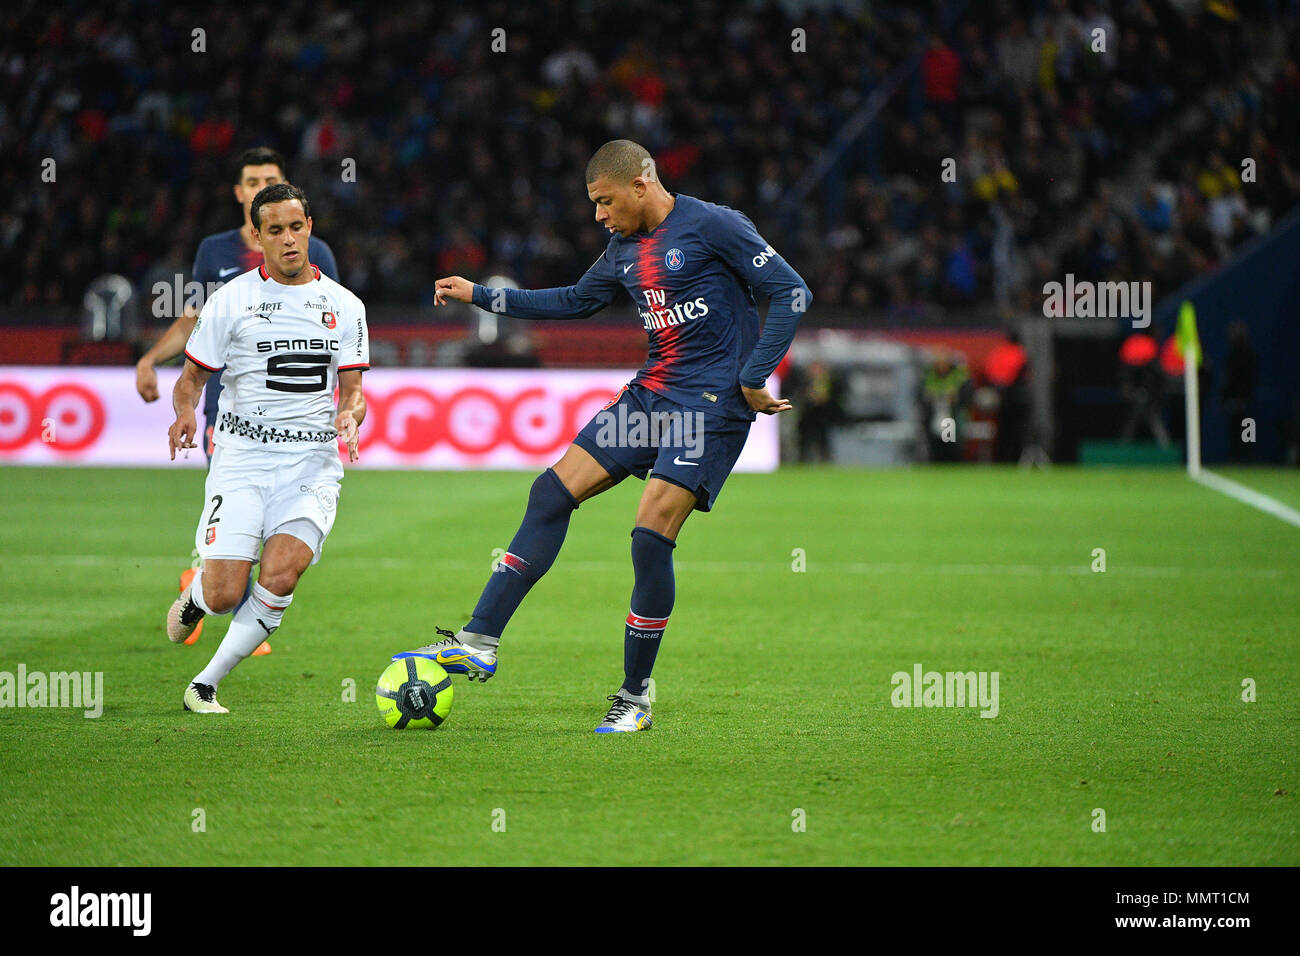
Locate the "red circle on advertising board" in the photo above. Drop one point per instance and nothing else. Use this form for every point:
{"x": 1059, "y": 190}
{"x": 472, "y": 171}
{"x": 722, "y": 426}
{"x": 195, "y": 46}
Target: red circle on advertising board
{"x": 492, "y": 434}
{"x": 19, "y": 421}
{"x": 64, "y": 401}
{"x": 421, "y": 432}
{"x": 521, "y": 433}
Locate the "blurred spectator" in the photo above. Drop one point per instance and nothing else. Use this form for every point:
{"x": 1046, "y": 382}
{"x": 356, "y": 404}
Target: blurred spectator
{"x": 818, "y": 394}
{"x": 1007, "y": 371}
{"x": 1142, "y": 386}
{"x": 946, "y": 391}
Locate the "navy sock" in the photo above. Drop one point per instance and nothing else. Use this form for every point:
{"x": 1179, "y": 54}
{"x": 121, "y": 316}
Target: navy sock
{"x": 653, "y": 594}
{"x": 532, "y": 552}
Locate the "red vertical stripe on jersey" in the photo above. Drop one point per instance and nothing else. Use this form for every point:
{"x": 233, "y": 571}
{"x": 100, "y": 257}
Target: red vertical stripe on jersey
{"x": 668, "y": 349}
{"x": 664, "y": 345}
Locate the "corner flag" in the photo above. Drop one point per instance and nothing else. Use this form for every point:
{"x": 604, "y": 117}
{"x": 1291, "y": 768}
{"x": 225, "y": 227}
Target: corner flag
{"x": 1185, "y": 335}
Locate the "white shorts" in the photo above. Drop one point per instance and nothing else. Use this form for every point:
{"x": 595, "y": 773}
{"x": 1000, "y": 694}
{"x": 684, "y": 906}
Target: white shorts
{"x": 252, "y": 494}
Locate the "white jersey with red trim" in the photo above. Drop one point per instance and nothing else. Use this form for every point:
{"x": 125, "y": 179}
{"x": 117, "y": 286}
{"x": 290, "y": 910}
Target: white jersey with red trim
{"x": 282, "y": 347}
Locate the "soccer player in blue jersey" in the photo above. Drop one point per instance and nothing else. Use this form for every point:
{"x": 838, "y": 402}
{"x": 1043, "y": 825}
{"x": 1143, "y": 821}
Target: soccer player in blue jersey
{"x": 220, "y": 257}
{"x": 693, "y": 269}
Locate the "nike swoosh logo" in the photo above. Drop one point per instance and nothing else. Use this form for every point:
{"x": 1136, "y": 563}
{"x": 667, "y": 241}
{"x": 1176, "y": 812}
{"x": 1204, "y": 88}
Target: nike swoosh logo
{"x": 678, "y": 461}
{"x": 226, "y": 272}
{"x": 626, "y": 267}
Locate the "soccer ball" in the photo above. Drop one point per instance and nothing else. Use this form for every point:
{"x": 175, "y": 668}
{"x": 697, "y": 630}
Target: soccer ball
{"x": 414, "y": 692}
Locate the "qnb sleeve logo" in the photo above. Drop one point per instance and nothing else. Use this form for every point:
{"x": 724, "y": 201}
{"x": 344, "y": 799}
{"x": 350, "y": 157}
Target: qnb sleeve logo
{"x": 67, "y": 417}
{"x": 77, "y": 909}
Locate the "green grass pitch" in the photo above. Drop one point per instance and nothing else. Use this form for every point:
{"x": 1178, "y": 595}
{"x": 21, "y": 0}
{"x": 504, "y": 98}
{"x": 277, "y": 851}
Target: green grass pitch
{"x": 1119, "y": 691}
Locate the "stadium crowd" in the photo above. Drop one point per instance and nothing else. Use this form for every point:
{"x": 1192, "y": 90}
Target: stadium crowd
{"x": 468, "y": 144}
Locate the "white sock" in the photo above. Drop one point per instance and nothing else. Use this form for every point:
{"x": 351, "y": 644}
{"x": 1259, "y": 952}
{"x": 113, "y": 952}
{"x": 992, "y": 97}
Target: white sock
{"x": 478, "y": 642}
{"x": 196, "y": 592}
{"x": 253, "y": 623}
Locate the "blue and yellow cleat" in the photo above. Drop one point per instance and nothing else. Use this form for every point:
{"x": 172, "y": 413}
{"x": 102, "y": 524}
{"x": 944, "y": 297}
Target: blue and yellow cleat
{"x": 455, "y": 657}
{"x": 626, "y": 714}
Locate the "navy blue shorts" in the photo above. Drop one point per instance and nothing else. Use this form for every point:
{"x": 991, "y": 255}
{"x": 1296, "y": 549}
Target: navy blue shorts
{"x": 211, "y": 404}
{"x": 642, "y": 433}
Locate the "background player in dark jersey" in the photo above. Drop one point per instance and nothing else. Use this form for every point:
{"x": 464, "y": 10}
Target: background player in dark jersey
{"x": 220, "y": 257}
{"x": 693, "y": 269}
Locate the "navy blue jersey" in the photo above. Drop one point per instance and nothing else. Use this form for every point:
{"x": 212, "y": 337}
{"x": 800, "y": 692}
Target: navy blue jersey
{"x": 693, "y": 279}
{"x": 220, "y": 258}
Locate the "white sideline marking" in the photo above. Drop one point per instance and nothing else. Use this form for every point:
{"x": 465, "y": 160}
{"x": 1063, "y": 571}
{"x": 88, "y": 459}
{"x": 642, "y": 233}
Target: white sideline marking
{"x": 1248, "y": 496}
{"x": 721, "y": 567}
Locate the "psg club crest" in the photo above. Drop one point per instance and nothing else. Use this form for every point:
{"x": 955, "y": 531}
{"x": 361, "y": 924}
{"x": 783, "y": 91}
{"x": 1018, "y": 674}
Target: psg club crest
{"x": 327, "y": 319}
{"x": 674, "y": 260}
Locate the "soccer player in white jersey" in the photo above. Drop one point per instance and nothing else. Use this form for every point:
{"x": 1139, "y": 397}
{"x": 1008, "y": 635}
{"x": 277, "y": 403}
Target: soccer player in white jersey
{"x": 286, "y": 336}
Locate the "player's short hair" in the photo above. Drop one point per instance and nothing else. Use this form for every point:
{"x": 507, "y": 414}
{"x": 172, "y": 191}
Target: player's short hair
{"x": 280, "y": 192}
{"x": 619, "y": 160}
{"x": 258, "y": 156}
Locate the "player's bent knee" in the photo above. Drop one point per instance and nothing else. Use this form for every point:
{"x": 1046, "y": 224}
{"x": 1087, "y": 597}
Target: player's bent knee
{"x": 665, "y": 525}
{"x": 581, "y": 474}
{"x": 279, "y": 581}
{"x": 222, "y": 599}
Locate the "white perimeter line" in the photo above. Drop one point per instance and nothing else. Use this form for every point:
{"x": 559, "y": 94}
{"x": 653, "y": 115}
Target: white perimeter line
{"x": 1248, "y": 496}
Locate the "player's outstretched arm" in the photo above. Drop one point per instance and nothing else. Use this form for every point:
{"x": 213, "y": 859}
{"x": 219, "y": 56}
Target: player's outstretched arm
{"x": 170, "y": 345}
{"x": 351, "y": 412}
{"x": 595, "y": 290}
{"x": 185, "y": 397}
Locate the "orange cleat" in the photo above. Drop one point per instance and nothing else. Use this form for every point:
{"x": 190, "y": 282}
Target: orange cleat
{"x": 263, "y": 648}
{"x": 186, "y": 577}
